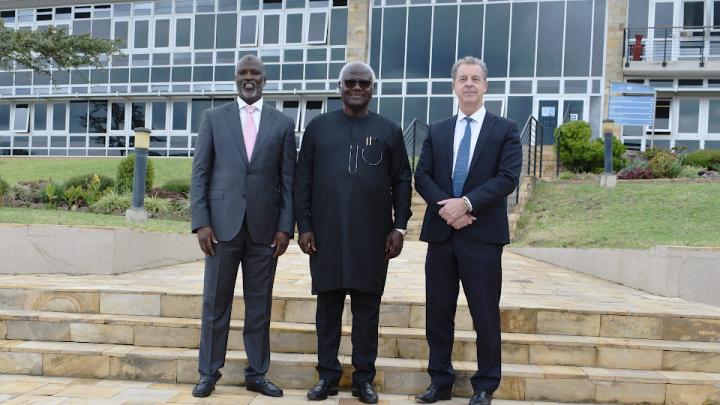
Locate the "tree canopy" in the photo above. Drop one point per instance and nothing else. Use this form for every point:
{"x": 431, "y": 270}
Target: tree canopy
{"x": 45, "y": 49}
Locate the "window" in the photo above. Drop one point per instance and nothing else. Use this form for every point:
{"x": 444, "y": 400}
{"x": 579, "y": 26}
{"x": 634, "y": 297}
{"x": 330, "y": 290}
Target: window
{"x": 117, "y": 117}
{"x": 138, "y": 115}
{"x": 317, "y": 28}
{"x": 39, "y": 117}
{"x": 78, "y": 117}
{"x": 58, "y": 117}
{"x": 158, "y": 115}
{"x": 293, "y": 28}
{"x": 182, "y": 32}
{"x": 693, "y": 14}
{"x": 271, "y": 29}
{"x": 101, "y": 29}
{"x": 44, "y": 14}
{"x": 204, "y": 31}
{"x": 141, "y": 34}
{"x": 162, "y": 33}
{"x": 179, "y": 122}
{"x": 97, "y": 122}
{"x": 198, "y": 107}
{"x": 716, "y": 14}
{"x": 688, "y": 116}
{"x": 312, "y": 110}
{"x": 22, "y": 118}
{"x": 290, "y": 108}
{"x": 121, "y": 32}
{"x": 226, "y": 31}
{"x": 662, "y": 115}
{"x": 248, "y": 30}
{"x": 163, "y": 7}
{"x": 4, "y": 117}
{"x": 714, "y": 115}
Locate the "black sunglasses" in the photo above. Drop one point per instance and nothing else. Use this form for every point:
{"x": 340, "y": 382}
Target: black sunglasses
{"x": 364, "y": 84}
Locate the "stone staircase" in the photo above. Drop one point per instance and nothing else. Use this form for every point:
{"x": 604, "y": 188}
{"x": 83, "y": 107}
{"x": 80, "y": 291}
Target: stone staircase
{"x": 566, "y": 355}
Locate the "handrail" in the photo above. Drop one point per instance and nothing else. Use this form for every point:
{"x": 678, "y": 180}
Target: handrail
{"x": 414, "y": 136}
{"x": 671, "y": 43}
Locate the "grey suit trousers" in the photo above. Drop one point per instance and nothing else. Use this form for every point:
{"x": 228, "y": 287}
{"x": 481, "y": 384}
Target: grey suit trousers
{"x": 258, "y": 273}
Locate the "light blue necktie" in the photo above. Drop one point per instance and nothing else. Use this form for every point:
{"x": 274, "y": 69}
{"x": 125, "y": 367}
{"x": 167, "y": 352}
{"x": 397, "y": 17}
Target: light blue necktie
{"x": 462, "y": 161}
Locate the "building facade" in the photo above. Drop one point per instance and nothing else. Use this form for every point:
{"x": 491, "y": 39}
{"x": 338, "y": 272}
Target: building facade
{"x": 553, "y": 59}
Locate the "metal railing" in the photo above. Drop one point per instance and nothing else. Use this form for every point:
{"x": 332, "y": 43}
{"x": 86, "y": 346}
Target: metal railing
{"x": 669, "y": 44}
{"x": 531, "y": 138}
{"x": 414, "y": 136}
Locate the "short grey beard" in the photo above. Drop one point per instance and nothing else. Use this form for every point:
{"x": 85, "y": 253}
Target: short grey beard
{"x": 248, "y": 93}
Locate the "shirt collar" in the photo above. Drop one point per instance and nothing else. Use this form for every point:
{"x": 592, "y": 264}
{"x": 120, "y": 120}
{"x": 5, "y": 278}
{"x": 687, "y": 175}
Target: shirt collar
{"x": 477, "y": 116}
{"x": 258, "y": 104}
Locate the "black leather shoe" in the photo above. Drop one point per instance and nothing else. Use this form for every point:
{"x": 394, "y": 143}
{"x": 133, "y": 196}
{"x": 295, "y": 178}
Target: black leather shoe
{"x": 434, "y": 394}
{"x": 365, "y": 393}
{"x": 322, "y": 390}
{"x": 206, "y": 385}
{"x": 481, "y": 398}
{"x": 263, "y": 386}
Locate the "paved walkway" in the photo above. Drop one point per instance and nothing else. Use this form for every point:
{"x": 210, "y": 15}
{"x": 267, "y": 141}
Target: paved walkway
{"x": 527, "y": 283}
{"x": 16, "y": 389}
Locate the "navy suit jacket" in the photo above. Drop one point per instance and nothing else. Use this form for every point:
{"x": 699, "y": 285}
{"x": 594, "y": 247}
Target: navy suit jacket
{"x": 493, "y": 174}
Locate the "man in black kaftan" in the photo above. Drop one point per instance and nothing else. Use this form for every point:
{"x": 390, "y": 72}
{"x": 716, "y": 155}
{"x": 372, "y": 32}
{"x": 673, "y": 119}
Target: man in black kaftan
{"x": 352, "y": 172}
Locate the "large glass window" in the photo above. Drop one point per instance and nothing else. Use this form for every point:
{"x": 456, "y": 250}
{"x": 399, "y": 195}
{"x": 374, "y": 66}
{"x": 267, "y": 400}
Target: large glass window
{"x": 443, "y": 42}
{"x": 182, "y": 32}
{"x": 714, "y": 116}
{"x": 138, "y": 115}
{"x": 338, "y": 27}
{"x": 158, "y": 115}
{"x": 198, "y": 107}
{"x": 693, "y": 14}
{"x": 577, "y": 38}
{"x": 271, "y": 29}
{"x": 117, "y": 117}
{"x": 248, "y": 30}
{"x": 496, "y": 50}
{"x": 78, "y": 117}
{"x": 101, "y": 29}
{"x": 550, "y": 38}
{"x": 97, "y": 123}
{"x": 226, "y": 31}
{"x": 4, "y": 117}
{"x": 293, "y": 28}
{"x": 598, "y": 38}
{"x": 418, "y": 55}
{"x": 470, "y": 31}
{"x": 39, "y": 117}
{"x": 662, "y": 114}
{"x": 141, "y": 34}
{"x": 290, "y": 108}
{"x": 58, "y": 117}
{"x": 522, "y": 50}
{"x": 638, "y": 16}
{"x": 317, "y": 28}
{"x": 393, "y": 43}
{"x": 204, "y": 31}
{"x": 179, "y": 116}
{"x": 22, "y": 118}
{"x": 162, "y": 33}
{"x": 688, "y": 117}
{"x": 312, "y": 110}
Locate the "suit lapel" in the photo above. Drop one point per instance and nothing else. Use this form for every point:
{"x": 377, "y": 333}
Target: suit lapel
{"x": 232, "y": 119}
{"x": 450, "y": 139}
{"x": 266, "y": 124}
{"x": 485, "y": 130}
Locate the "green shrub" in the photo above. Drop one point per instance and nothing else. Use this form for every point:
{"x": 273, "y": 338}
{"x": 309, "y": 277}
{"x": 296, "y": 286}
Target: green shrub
{"x": 111, "y": 202}
{"x": 177, "y": 186}
{"x": 52, "y": 194}
{"x": 183, "y": 209}
{"x": 579, "y": 154}
{"x": 157, "y": 207}
{"x": 565, "y": 175}
{"x": 636, "y": 169}
{"x": 665, "y": 164}
{"x": 4, "y": 187}
{"x": 707, "y": 158}
{"x": 691, "y": 171}
{"x": 86, "y": 182}
{"x": 126, "y": 174}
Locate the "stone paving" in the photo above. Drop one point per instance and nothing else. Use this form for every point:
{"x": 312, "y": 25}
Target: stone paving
{"x": 17, "y": 389}
{"x": 527, "y": 283}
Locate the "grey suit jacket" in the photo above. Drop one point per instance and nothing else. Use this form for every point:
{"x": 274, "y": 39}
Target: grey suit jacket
{"x": 228, "y": 189}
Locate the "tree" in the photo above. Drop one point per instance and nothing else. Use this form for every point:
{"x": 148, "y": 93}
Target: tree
{"x": 49, "y": 48}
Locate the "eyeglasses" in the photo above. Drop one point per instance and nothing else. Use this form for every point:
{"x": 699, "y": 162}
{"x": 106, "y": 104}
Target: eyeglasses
{"x": 364, "y": 84}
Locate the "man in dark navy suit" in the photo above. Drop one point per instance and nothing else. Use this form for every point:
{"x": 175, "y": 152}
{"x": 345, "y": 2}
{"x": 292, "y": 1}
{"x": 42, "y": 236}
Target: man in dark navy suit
{"x": 469, "y": 164}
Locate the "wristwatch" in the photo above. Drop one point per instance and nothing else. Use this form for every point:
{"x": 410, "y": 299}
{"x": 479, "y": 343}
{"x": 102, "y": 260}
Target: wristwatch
{"x": 402, "y": 231}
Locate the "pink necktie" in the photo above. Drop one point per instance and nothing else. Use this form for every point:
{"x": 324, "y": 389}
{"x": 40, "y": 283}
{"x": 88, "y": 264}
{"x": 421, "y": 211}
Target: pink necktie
{"x": 249, "y": 130}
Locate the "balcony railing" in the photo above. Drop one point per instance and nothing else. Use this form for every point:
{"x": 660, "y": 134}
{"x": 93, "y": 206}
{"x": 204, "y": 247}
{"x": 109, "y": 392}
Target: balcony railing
{"x": 671, "y": 44}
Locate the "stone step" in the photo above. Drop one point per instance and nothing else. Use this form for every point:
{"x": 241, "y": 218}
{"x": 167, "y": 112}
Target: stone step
{"x": 396, "y": 376}
{"x": 394, "y": 342}
{"x": 679, "y": 324}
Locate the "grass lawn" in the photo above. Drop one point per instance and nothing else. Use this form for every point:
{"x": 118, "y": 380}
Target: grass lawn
{"x": 18, "y": 169}
{"x": 632, "y": 215}
{"x": 61, "y": 217}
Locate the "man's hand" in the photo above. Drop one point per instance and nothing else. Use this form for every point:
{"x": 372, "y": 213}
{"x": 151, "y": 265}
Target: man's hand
{"x": 452, "y": 209}
{"x": 307, "y": 243}
{"x": 393, "y": 245}
{"x": 280, "y": 243}
{"x": 206, "y": 238}
{"x": 463, "y": 221}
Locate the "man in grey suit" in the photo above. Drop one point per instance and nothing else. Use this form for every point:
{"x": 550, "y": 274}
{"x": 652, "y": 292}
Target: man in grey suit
{"x": 242, "y": 212}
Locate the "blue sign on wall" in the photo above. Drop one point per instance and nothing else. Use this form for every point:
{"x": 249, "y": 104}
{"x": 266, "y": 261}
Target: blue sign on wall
{"x": 632, "y": 110}
{"x": 622, "y": 87}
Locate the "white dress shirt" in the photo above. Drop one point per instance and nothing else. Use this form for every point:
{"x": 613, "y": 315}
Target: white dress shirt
{"x": 256, "y": 114}
{"x": 475, "y": 125}
{"x": 477, "y": 120}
